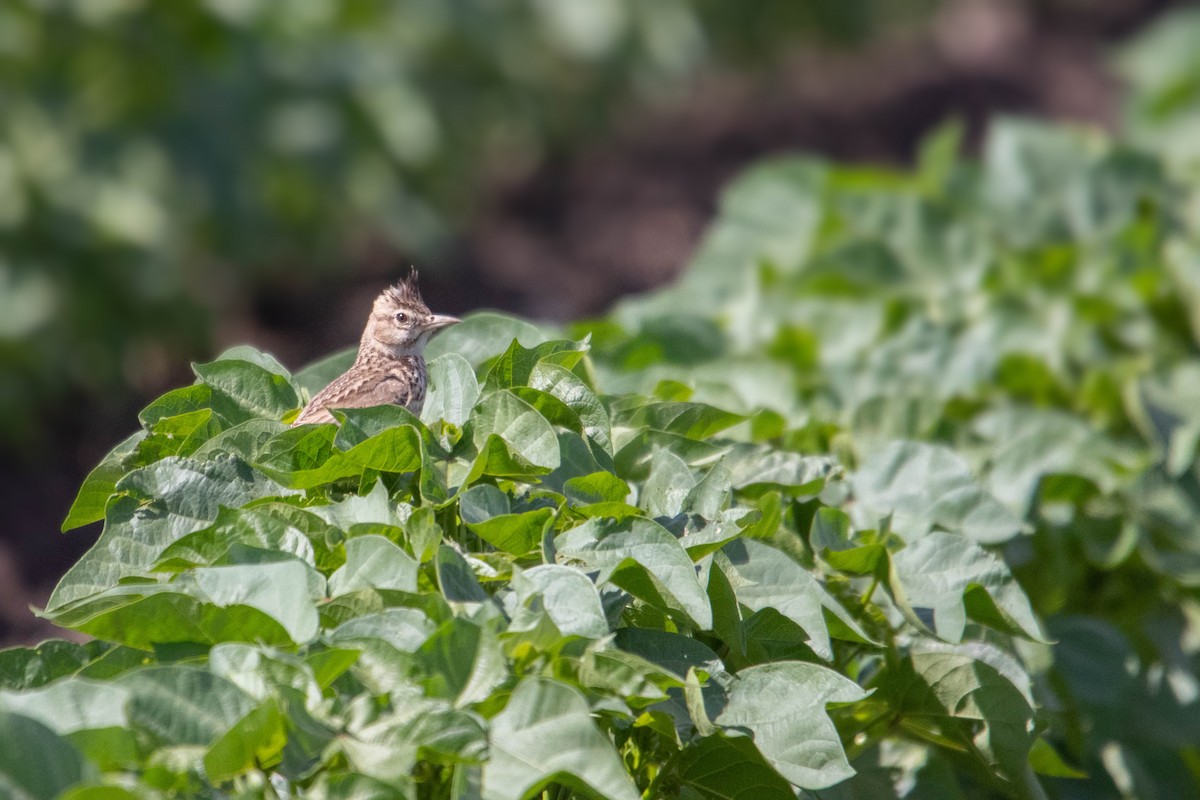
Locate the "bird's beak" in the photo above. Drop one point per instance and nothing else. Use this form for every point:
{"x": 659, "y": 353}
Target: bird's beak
{"x": 439, "y": 321}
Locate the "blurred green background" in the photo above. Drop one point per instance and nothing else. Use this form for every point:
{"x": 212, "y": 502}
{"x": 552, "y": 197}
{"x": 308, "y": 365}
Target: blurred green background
{"x": 180, "y": 176}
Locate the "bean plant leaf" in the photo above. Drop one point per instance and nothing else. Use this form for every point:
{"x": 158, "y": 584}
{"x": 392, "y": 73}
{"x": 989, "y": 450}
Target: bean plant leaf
{"x": 922, "y": 486}
{"x": 782, "y": 706}
{"x": 158, "y": 505}
{"x": 764, "y": 578}
{"x": 546, "y": 734}
{"x": 956, "y": 579}
{"x": 644, "y": 559}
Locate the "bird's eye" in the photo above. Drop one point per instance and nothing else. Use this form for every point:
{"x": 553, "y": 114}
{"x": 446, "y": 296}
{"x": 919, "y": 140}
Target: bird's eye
{"x": 401, "y": 317}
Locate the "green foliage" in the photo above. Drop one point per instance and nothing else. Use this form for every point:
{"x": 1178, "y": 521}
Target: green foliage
{"x": 894, "y": 492}
{"x": 147, "y": 148}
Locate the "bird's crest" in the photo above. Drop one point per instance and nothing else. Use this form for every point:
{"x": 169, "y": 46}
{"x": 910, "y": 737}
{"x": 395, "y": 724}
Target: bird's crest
{"x": 406, "y": 292}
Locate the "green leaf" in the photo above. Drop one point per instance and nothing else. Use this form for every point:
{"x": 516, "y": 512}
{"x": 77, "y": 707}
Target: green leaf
{"x": 559, "y": 382}
{"x": 596, "y": 487}
{"x": 100, "y": 485}
{"x": 782, "y": 705}
{"x": 947, "y": 694}
{"x": 481, "y": 336}
{"x": 244, "y": 390}
{"x": 396, "y": 450}
{"x": 922, "y": 486}
{"x": 183, "y": 705}
{"x": 403, "y": 629}
{"x": 566, "y": 595}
{"x": 546, "y": 734}
{"x": 452, "y": 392}
{"x": 35, "y": 763}
{"x": 644, "y": 559}
{"x": 162, "y": 503}
{"x": 72, "y": 704}
{"x": 267, "y": 602}
{"x": 690, "y": 420}
{"x": 957, "y": 579}
{"x": 518, "y": 424}
{"x": 255, "y": 742}
{"x": 485, "y": 511}
{"x": 731, "y": 768}
{"x": 515, "y": 366}
{"x": 374, "y": 562}
{"x": 28, "y": 667}
{"x": 755, "y": 470}
{"x": 270, "y": 527}
{"x": 462, "y": 662}
{"x": 763, "y": 577}
{"x": 455, "y": 578}
{"x": 669, "y": 484}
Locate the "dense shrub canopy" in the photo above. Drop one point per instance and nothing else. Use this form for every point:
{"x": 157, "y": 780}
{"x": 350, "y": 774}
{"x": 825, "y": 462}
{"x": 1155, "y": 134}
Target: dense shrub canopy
{"x": 896, "y": 491}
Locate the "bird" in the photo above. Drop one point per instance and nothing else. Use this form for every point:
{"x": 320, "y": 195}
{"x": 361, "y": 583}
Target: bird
{"x": 390, "y": 366}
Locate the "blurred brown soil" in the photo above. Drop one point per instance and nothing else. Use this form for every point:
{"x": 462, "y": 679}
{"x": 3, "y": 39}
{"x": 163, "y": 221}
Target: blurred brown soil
{"x": 623, "y": 214}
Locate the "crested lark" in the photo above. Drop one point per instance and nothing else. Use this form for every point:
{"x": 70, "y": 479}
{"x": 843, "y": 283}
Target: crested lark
{"x": 390, "y": 367}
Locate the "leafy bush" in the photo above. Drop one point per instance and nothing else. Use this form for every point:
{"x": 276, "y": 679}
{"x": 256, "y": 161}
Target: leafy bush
{"x": 150, "y": 152}
{"x": 895, "y": 494}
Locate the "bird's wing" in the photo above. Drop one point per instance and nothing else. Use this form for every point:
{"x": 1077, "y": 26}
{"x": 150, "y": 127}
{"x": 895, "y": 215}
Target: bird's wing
{"x": 356, "y": 390}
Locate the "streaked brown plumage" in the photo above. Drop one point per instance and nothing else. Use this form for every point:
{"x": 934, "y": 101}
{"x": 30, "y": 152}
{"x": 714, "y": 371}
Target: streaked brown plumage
{"x": 390, "y": 367}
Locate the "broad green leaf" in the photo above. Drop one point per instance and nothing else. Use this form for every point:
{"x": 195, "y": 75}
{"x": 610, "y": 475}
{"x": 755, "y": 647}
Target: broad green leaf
{"x": 374, "y": 562}
{"x": 244, "y": 390}
{"x": 934, "y": 690}
{"x": 183, "y": 705}
{"x": 29, "y": 667}
{"x": 556, "y": 380}
{"x": 516, "y": 364}
{"x": 754, "y": 470}
{"x": 690, "y": 420}
{"x": 527, "y": 432}
{"x": 71, "y": 704}
{"x": 484, "y": 335}
{"x": 644, "y": 559}
{"x": 35, "y": 763}
{"x": 428, "y": 729}
{"x": 782, "y": 705}
{"x": 268, "y": 602}
{"x": 179, "y": 401}
{"x": 456, "y": 579}
{"x": 160, "y": 504}
{"x": 262, "y": 672}
{"x": 632, "y": 459}
{"x": 404, "y": 629}
{"x": 546, "y": 734}
{"x": 486, "y": 511}
{"x": 396, "y": 449}
{"x": 731, "y": 767}
{"x": 452, "y": 391}
{"x": 100, "y": 485}
{"x": 763, "y": 577}
{"x": 462, "y": 662}
{"x": 498, "y": 459}
{"x": 372, "y": 508}
{"x": 671, "y": 651}
{"x": 255, "y": 742}
{"x": 956, "y": 579}
{"x": 924, "y": 486}
{"x": 272, "y": 527}
{"x": 669, "y": 484}
{"x": 596, "y": 487}
{"x": 566, "y": 595}
{"x": 1029, "y": 445}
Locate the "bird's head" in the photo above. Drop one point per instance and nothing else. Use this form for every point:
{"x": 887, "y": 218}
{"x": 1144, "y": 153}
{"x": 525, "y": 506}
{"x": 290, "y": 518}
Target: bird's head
{"x": 400, "y": 321}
